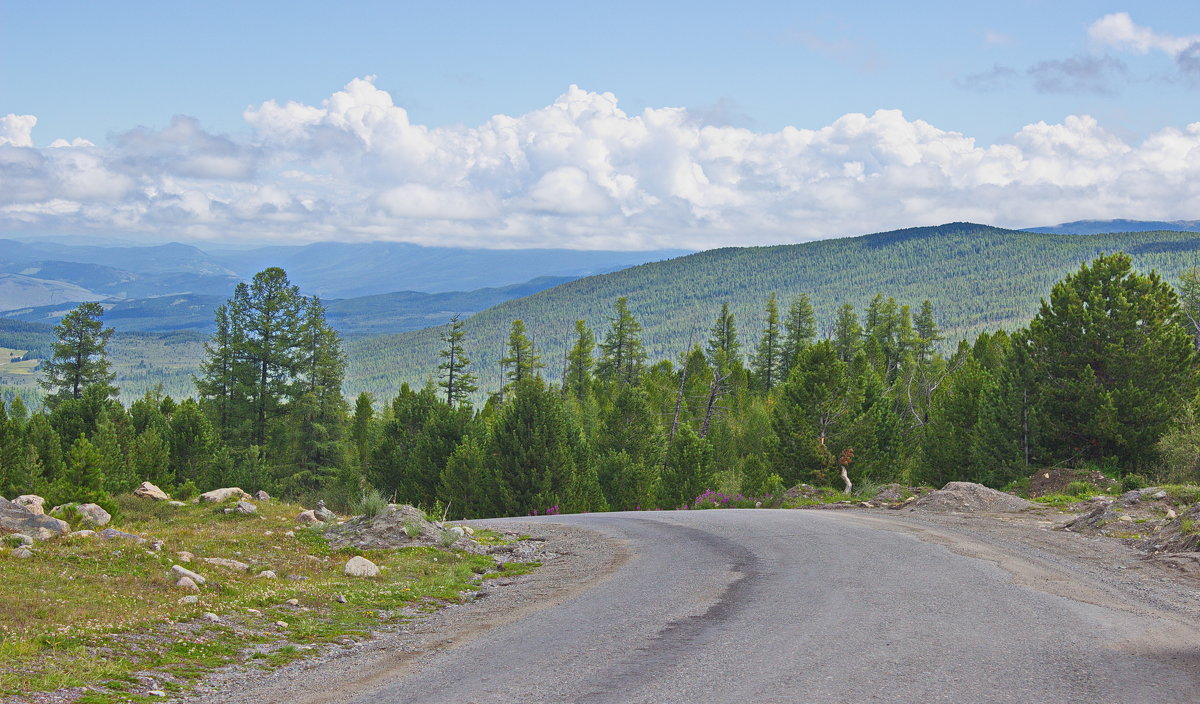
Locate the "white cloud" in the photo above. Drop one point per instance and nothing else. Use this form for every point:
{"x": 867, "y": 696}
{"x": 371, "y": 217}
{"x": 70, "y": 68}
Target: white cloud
{"x": 1119, "y": 30}
{"x": 580, "y": 172}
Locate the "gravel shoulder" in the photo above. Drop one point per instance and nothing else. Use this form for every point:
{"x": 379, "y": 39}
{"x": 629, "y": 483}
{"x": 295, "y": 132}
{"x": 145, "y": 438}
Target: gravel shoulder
{"x": 573, "y": 561}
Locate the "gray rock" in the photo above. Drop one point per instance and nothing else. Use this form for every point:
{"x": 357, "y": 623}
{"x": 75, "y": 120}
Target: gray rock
{"x": 22, "y": 553}
{"x": 185, "y": 556}
{"x": 15, "y": 518}
{"x": 211, "y": 617}
{"x": 180, "y": 572}
{"x": 93, "y": 514}
{"x": 189, "y": 599}
{"x": 18, "y": 539}
{"x": 261, "y": 495}
{"x": 228, "y": 564}
{"x": 187, "y": 583}
{"x": 339, "y": 598}
{"x": 114, "y": 534}
{"x": 82, "y": 534}
{"x": 307, "y": 518}
{"x": 32, "y": 503}
{"x": 216, "y": 496}
{"x": 149, "y": 491}
{"x": 359, "y": 566}
{"x": 323, "y": 514}
{"x": 176, "y": 503}
{"x": 268, "y": 574}
{"x": 245, "y": 508}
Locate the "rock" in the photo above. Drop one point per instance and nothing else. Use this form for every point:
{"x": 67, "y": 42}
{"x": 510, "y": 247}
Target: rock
{"x": 211, "y": 617}
{"x": 180, "y": 572}
{"x": 228, "y": 564}
{"x": 970, "y": 497}
{"x": 93, "y": 514}
{"x": 1171, "y": 513}
{"x": 176, "y": 503}
{"x": 457, "y": 530}
{"x": 189, "y": 599}
{"x": 157, "y": 545}
{"x": 245, "y": 508}
{"x": 267, "y": 574}
{"x": 157, "y": 693}
{"x": 22, "y": 553}
{"x": 391, "y": 528}
{"x": 82, "y": 534}
{"x": 1126, "y": 518}
{"x": 15, "y": 518}
{"x": 1159, "y": 495}
{"x": 339, "y": 598}
{"x": 216, "y": 496}
{"x": 290, "y": 534}
{"x": 114, "y": 534}
{"x": 187, "y": 583}
{"x": 359, "y": 566}
{"x": 18, "y": 539}
{"x": 32, "y": 503}
{"x": 149, "y": 491}
{"x": 261, "y": 495}
{"x": 307, "y": 518}
{"x": 292, "y": 602}
{"x": 323, "y": 514}
{"x": 281, "y": 624}
{"x": 185, "y": 556}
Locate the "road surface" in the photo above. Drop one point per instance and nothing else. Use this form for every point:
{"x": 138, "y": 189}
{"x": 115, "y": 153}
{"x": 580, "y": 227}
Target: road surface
{"x": 811, "y": 606}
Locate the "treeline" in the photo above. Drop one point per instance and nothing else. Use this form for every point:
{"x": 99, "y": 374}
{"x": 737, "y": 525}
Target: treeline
{"x": 1104, "y": 375}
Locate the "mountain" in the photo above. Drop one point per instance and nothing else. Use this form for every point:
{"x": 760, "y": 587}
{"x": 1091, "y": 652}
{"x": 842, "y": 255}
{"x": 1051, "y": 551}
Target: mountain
{"x": 1095, "y": 227}
{"x": 156, "y": 259}
{"x": 977, "y": 277}
{"x": 346, "y": 270}
{"x": 20, "y": 291}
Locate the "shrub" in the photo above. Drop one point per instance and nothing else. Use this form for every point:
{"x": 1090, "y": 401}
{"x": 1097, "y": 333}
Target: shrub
{"x": 187, "y": 491}
{"x": 1133, "y": 481}
{"x": 412, "y": 529}
{"x": 446, "y": 538}
{"x": 371, "y": 504}
{"x": 1080, "y": 489}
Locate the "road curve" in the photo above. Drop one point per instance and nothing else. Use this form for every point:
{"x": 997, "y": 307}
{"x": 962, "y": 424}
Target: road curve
{"x": 805, "y": 606}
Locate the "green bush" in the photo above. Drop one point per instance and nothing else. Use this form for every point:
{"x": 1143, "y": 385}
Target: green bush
{"x": 1080, "y": 489}
{"x": 1133, "y": 481}
{"x": 187, "y": 491}
{"x": 370, "y": 504}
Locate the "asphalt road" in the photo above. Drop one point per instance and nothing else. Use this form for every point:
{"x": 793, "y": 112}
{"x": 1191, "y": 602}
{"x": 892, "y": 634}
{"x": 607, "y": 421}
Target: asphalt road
{"x": 806, "y": 606}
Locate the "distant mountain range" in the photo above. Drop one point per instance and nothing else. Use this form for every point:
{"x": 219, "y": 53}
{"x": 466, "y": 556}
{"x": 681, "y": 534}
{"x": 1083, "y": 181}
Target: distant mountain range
{"x": 1099, "y": 227}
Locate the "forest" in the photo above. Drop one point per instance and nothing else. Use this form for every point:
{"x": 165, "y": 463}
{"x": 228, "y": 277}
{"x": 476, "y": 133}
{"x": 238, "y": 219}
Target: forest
{"x": 1104, "y": 375}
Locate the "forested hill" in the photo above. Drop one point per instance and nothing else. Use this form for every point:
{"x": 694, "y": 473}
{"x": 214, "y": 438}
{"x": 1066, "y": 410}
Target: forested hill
{"x": 978, "y": 278}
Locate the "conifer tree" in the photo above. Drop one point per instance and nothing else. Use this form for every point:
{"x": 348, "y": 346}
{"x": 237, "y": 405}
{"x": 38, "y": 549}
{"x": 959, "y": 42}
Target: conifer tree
{"x": 622, "y": 358}
{"x": 78, "y": 360}
{"x": 770, "y": 345}
{"x": 454, "y": 375}
{"x": 687, "y": 469}
{"x": 847, "y": 333}
{"x": 723, "y": 349}
{"x": 799, "y": 331}
{"x": 578, "y": 379}
{"x": 521, "y": 360}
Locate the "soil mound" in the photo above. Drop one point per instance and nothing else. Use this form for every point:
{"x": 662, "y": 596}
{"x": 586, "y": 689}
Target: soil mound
{"x": 968, "y": 497}
{"x": 398, "y": 526}
{"x": 1056, "y": 480}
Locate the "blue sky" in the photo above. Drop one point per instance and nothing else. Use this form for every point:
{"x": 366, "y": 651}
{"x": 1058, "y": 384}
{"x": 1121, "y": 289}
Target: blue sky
{"x": 167, "y": 102}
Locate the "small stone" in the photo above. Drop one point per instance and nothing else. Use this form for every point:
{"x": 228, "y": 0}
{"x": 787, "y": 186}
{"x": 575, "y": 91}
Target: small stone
{"x": 211, "y": 617}
{"x": 32, "y": 503}
{"x": 82, "y": 534}
{"x": 157, "y": 693}
{"x": 307, "y": 518}
{"x": 149, "y": 491}
{"x": 184, "y": 572}
{"x": 93, "y": 514}
{"x": 187, "y": 583}
{"x": 189, "y": 599}
{"x": 269, "y": 532}
{"x": 1159, "y": 495}
{"x": 339, "y": 598}
{"x": 298, "y": 577}
{"x": 176, "y": 503}
{"x": 217, "y": 496}
{"x": 18, "y": 539}
{"x": 185, "y": 556}
{"x": 245, "y": 508}
{"x": 227, "y": 564}
{"x": 292, "y": 602}
{"x": 268, "y": 574}
{"x": 458, "y": 530}
{"x": 1171, "y": 513}
{"x": 290, "y": 533}
{"x": 114, "y": 534}
{"x": 261, "y": 495}
{"x": 359, "y": 566}
{"x": 281, "y": 624}
{"x": 22, "y": 553}
{"x": 1126, "y": 518}
{"x": 254, "y": 612}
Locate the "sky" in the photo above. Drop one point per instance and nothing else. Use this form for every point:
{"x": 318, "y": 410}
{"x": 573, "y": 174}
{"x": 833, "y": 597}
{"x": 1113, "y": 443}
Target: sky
{"x": 617, "y": 125}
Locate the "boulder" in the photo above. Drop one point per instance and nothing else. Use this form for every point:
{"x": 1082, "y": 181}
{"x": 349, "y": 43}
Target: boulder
{"x": 359, "y": 566}
{"x": 22, "y": 553}
{"x": 245, "y": 508}
{"x": 307, "y": 518}
{"x": 261, "y": 495}
{"x": 267, "y": 574}
{"x": 149, "y": 491}
{"x": 15, "y": 518}
{"x": 323, "y": 514}
{"x": 93, "y": 514}
{"x": 227, "y": 564}
{"x": 114, "y": 534}
{"x": 216, "y": 496}
{"x": 181, "y": 572}
{"x": 32, "y": 503}
{"x": 187, "y": 584}
{"x": 18, "y": 539}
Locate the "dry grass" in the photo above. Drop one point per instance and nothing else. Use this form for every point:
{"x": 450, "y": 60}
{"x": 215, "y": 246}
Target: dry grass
{"x": 92, "y": 613}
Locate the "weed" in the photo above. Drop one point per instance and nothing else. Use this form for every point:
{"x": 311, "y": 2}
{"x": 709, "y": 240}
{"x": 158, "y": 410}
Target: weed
{"x": 412, "y": 529}
{"x": 447, "y": 538}
{"x": 372, "y": 503}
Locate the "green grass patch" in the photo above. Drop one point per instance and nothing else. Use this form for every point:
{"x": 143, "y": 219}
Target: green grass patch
{"x": 513, "y": 569}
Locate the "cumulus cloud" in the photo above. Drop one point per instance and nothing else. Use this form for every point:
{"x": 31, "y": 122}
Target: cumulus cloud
{"x": 579, "y": 172}
{"x": 1118, "y": 30}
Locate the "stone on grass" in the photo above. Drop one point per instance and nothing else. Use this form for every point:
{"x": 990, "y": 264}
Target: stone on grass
{"x": 211, "y": 617}
{"x": 149, "y": 491}
{"x": 176, "y": 503}
{"x": 245, "y": 508}
{"x": 82, "y": 534}
{"x": 180, "y": 572}
{"x": 32, "y": 503}
{"x": 1171, "y": 513}
{"x": 261, "y": 495}
{"x": 267, "y": 574}
{"x": 359, "y": 566}
{"x": 15, "y": 518}
{"x": 281, "y": 624}
{"x": 189, "y": 599}
{"x": 22, "y": 553}
{"x": 323, "y": 514}
{"x": 339, "y": 598}
{"x": 187, "y": 583}
{"x": 292, "y": 602}
{"x": 93, "y": 515}
{"x": 216, "y": 496}
{"x": 307, "y": 518}
{"x": 228, "y": 564}
{"x": 185, "y": 556}
{"x": 18, "y": 539}
{"x": 114, "y": 534}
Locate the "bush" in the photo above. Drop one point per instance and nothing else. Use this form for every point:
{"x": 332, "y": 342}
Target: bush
{"x": 371, "y": 504}
{"x": 187, "y": 491}
{"x": 1133, "y": 481}
{"x": 1080, "y": 489}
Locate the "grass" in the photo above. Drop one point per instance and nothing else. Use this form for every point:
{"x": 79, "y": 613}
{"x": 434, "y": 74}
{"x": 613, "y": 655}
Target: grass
{"x": 55, "y": 633}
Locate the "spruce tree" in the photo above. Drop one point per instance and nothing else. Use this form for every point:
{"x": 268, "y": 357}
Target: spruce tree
{"x": 723, "y": 350}
{"x": 578, "y": 379}
{"x": 847, "y": 333}
{"x": 78, "y": 359}
{"x": 622, "y": 358}
{"x": 454, "y": 375}
{"x": 521, "y": 360}
{"x": 767, "y": 356}
{"x": 799, "y": 331}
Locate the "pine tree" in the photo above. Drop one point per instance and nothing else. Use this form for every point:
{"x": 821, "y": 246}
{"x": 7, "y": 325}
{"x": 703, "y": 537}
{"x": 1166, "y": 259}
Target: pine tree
{"x": 521, "y": 360}
{"x": 453, "y": 372}
{"x": 578, "y": 379}
{"x": 799, "y": 331}
{"x": 150, "y": 460}
{"x": 767, "y": 357}
{"x": 927, "y": 333}
{"x": 622, "y": 358}
{"x": 814, "y": 411}
{"x": 687, "y": 469}
{"x": 193, "y": 446}
{"x": 85, "y": 478}
{"x": 847, "y": 333}
{"x": 78, "y": 360}
{"x": 724, "y": 352}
